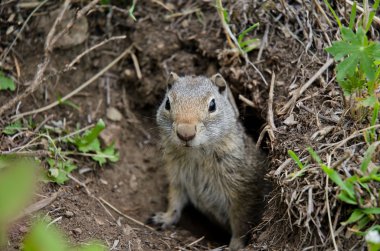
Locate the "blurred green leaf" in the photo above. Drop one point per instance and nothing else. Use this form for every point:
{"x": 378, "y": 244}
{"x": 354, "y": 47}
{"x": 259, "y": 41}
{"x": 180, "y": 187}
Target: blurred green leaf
{"x": 43, "y": 238}
{"x": 354, "y": 217}
{"x": 368, "y": 156}
{"x": 13, "y": 128}
{"x": 17, "y": 182}
{"x": 6, "y": 83}
{"x": 59, "y": 170}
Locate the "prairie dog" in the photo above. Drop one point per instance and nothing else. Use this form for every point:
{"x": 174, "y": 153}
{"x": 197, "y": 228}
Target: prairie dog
{"x": 210, "y": 161}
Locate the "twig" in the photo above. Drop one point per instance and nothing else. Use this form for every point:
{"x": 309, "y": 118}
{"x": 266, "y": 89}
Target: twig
{"x": 329, "y": 213}
{"x": 5, "y": 54}
{"x": 91, "y": 49}
{"x": 195, "y": 242}
{"x": 37, "y": 206}
{"x": 41, "y": 67}
{"x": 301, "y": 89}
{"x": 137, "y": 66}
{"x": 124, "y": 215}
{"x": 270, "y": 119}
{"x": 264, "y": 41}
{"x": 246, "y": 101}
{"x": 88, "y": 82}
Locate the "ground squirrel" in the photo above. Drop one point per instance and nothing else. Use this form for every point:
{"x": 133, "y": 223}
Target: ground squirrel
{"x": 210, "y": 161}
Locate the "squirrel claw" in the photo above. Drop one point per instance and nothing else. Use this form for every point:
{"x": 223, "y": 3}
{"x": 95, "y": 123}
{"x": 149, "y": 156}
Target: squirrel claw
{"x": 161, "y": 220}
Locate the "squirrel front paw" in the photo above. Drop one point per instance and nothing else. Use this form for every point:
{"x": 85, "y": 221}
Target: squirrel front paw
{"x": 163, "y": 219}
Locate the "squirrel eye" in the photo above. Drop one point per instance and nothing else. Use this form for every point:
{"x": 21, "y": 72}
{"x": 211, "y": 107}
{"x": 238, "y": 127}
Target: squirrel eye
{"x": 212, "y": 106}
{"x": 167, "y": 105}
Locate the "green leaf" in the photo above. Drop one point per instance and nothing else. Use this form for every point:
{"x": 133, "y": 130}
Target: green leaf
{"x": 6, "y": 83}
{"x": 369, "y": 101}
{"x": 89, "y": 141}
{"x": 43, "y": 238}
{"x": 343, "y": 196}
{"x": 362, "y": 223}
{"x": 246, "y": 31}
{"x": 17, "y": 183}
{"x": 371, "y": 210}
{"x": 354, "y": 217}
{"x": 347, "y": 34}
{"x": 367, "y": 66}
{"x": 59, "y": 170}
{"x": 314, "y": 155}
{"x": 347, "y": 67}
{"x": 368, "y": 156}
{"x": 338, "y": 50}
{"x": 109, "y": 153}
{"x": 294, "y": 156}
{"x": 335, "y": 177}
{"x": 13, "y": 128}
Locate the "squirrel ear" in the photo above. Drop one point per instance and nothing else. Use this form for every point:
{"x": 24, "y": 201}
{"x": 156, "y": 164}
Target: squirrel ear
{"x": 171, "y": 80}
{"x": 219, "y": 81}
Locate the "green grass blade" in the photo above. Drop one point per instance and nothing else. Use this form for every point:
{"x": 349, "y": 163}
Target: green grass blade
{"x": 352, "y": 16}
{"x": 368, "y": 156}
{"x": 356, "y": 215}
{"x": 372, "y": 15}
{"x": 335, "y": 177}
{"x": 334, "y": 14}
{"x": 294, "y": 156}
{"x": 314, "y": 155}
{"x": 371, "y": 210}
{"x": 246, "y": 31}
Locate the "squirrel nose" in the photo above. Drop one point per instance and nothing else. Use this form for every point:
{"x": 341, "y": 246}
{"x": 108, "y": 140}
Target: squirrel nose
{"x": 186, "y": 132}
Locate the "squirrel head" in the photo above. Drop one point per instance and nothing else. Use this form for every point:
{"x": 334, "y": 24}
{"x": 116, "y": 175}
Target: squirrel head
{"x": 196, "y": 111}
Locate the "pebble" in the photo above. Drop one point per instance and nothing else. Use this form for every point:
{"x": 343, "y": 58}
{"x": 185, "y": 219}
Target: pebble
{"x": 77, "y": 231}
{"x": 114, "y": 114}
{"x": 69, "y": 214}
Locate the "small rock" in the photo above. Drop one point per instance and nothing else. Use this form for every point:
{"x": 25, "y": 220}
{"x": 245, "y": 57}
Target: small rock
{"x": 77, "y": 231}
{"x": 133, "y": 183}
{"x": 23, "y": 229}
{"x": 69, "y": 214}
{"x": 114, "y": 114}
{"x": 290, "y": 120}
{"x": 104, "y": 182}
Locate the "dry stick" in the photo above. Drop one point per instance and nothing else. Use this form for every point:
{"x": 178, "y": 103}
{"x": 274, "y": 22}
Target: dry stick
{"x": 375, "y": 18}
{"x": 41, "y": 67}
{"x": 303, "y": 88}
{"x": 37, "y": 206}
{"x": 270, "y": 119}
{"x": 88, "y": 82}
{"x": 246, "y": 101}
{"x": 124, "y": 215}
{"x": 91, "y": 49}
{"x": 329, "y": 213}
{"x": 5, "y": 54}
{"x": 264, "y": 41}
{"x": 137, "y": 66}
